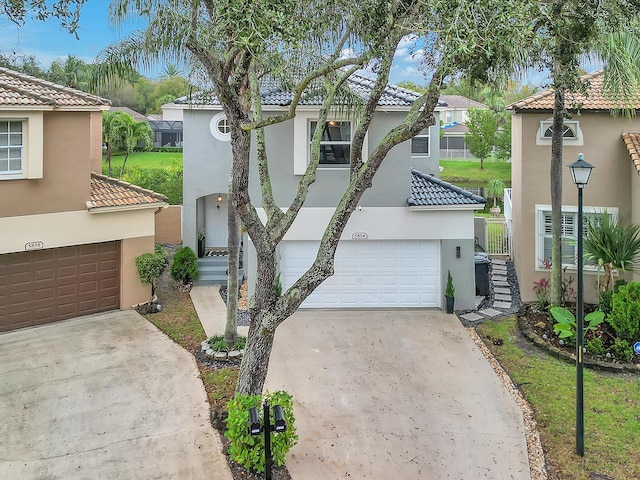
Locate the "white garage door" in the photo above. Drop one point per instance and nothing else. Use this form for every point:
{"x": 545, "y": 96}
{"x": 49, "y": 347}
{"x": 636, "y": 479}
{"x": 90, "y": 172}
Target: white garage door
{"x": 369, "y": 273}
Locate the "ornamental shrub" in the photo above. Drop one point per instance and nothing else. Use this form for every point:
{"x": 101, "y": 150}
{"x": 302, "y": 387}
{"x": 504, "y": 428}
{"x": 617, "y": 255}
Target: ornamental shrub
{"x": 184, "y": 268}
{"x": 625, "y": 314}
{"x": 149, "y": 266}
{"x": 622, "y": 350}
{"x": 162, "y": 253}
{"x": 248, "y": 450}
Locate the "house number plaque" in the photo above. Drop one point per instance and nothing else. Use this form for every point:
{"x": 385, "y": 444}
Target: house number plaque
{"x": 34, "y": 246}
{"x": 359, "y": 236}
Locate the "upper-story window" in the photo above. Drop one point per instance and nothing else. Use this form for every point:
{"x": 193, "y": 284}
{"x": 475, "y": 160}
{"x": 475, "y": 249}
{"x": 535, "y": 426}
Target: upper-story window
{"x": 420, "y": 144}
{"x": 11, "y": 147}
{"x": 571, "y": 132}
{"x": 220, "y": 127}
{"x": 335, "y": 145}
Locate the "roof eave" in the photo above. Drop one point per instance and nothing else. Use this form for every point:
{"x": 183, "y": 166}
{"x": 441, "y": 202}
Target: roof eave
{"x": 465, "y": 206}
{"x": 122, "y": 208}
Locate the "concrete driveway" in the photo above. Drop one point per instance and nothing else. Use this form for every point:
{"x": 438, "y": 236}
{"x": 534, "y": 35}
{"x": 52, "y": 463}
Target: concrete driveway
{"x": 107, "y": 397}
{"x": 394, "y": 395}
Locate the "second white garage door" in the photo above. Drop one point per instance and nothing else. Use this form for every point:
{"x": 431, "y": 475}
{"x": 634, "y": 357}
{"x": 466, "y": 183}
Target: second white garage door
{"x": 369, "y": 273}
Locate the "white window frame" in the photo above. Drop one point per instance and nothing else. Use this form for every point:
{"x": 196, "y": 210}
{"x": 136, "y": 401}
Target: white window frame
{"x": 572, "y": 125}
{"x": 12, "y": 145}
{"x": 423, "y": 135}
{"x": 223, "y": 134}
{"x": 302, "y": 140}
{"x": 32, "y": 143}
{"x": 567, "y": 211}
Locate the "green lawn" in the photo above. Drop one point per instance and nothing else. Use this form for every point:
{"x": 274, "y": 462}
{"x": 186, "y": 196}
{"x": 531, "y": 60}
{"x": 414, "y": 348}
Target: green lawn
{"x": 612, "y": 412}
{"x": 468, "y": 172}
{"x": 146, "y": 159}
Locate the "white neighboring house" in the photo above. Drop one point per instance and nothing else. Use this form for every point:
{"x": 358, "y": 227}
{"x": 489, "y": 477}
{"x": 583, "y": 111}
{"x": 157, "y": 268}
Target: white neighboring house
{"x": 454, "y": 115}
{"x": 409, "y": 230}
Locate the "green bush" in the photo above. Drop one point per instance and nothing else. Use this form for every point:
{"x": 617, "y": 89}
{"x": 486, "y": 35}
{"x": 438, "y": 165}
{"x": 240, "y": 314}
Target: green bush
{"x": 604, "y": 304}
{"x": 149, "y": 266}
{"x": 162, "y": 253}
{"x": 166, "y": 181}
{"x": 218, "y": 344}
{"x": 622, "y": 350}
{"x": 595, "y": 347}
{"x": 625, "y": 314}
{"x": 184, "y": 268}
{"x": 248, "y": 450}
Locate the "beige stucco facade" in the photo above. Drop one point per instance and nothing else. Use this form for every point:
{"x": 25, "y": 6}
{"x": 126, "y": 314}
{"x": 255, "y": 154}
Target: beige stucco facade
{"x": 46, "y": 207}
{"x": 613, "y": 184}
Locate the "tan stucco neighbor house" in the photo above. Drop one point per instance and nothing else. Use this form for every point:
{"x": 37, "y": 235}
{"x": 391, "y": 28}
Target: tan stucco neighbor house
{"x": 68, "y": 236}
{"x": 610, "y": 143}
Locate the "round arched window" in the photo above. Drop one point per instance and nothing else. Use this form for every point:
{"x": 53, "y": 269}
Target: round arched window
{"x": 220, "y": 127}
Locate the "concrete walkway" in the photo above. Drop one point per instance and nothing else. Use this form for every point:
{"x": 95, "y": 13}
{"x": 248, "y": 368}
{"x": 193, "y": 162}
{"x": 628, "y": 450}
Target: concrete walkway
{"x": 394, "y": 394}
{"x": 211, "y": 309}
{"x": 106, "y": 396}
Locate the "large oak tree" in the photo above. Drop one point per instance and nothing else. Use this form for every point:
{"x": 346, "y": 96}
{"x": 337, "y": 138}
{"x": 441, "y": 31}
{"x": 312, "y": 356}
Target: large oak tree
{"x": 312, "y": 46}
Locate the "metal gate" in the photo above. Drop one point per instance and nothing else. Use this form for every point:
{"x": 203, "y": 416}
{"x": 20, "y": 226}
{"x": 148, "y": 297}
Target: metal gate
{"x": 498, "y": 236}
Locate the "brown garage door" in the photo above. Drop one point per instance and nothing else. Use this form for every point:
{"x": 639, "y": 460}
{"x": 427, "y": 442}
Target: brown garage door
{"x": 45, "y": 286}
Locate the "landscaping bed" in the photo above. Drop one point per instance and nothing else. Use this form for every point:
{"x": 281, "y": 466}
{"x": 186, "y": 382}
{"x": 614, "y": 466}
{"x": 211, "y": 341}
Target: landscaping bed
{"x": 538, "y": 326}
{"x": 178, "y": 319}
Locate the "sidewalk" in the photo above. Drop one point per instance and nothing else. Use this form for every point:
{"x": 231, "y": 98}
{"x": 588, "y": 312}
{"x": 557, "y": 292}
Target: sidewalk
{"x": 211, "y": 309}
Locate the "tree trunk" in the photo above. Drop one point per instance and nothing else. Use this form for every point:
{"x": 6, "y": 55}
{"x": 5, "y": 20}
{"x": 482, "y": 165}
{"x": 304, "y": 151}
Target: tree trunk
{"x": 233, "y": 245}
{"x": 255, "y": 363}
{"x": 124, "y": 162}
{"x": 556, "y": 196}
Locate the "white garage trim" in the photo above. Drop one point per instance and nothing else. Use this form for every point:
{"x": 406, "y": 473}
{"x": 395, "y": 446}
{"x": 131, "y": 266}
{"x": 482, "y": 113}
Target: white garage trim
{"x": 369, "y": 273}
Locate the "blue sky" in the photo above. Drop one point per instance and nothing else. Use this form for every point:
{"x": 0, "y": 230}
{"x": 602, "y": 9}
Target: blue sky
{"x": 48, "y": 42}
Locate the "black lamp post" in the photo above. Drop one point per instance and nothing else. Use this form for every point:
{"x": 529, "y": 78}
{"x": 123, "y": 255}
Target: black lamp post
{"x": 580, "y": 171}
{"x": 280, "y": 425}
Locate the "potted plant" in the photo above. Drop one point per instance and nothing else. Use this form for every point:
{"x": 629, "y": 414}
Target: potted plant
{"x": 449, "y": 293}
{"x": 201, "y": 243}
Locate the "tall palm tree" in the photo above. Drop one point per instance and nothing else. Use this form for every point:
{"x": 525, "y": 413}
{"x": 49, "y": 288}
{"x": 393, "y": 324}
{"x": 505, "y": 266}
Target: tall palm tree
{"x": 135, "y": 133}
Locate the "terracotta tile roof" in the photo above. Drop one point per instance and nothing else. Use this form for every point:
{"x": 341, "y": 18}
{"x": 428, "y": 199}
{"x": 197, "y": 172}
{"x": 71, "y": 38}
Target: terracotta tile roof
{"x": 592, "y": 99}
{"x": 111, "y": 192}
{"x": 24, "y": 90}
{"x": 632, "y": 141}
{"x": 427, "y": 190}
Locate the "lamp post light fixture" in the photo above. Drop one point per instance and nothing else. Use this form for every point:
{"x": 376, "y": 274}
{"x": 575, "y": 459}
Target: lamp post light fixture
{"x": 279, "y": 426}
{"x": 580, "y": 171}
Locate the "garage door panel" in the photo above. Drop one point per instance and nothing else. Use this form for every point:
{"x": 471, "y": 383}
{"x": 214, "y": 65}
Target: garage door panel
{"x": 54, "y": 284}
{"x": 370, "y": 273}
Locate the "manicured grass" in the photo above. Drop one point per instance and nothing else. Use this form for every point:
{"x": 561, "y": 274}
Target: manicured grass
{"x": 612, "y": 412}
{"x": 146, "y": 159}
{"x": 469, "y": 172}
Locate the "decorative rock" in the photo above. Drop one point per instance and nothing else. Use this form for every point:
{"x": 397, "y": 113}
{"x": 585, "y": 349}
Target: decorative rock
{"x": 210, "y": 352}
{"x": 233, "y": 354}
{"x": 554, "y": 350}
{"x": 538, "y": 341}
{"x": 220, "y": 356}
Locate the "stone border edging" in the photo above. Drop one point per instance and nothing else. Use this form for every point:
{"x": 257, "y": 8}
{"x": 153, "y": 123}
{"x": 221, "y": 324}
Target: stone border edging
{"x": 571, "y": 357}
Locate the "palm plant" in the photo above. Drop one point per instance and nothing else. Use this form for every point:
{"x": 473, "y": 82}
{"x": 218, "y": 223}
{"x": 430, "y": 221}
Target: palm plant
{"x": 495, "y": 188}
{"x": 614, "y": 245}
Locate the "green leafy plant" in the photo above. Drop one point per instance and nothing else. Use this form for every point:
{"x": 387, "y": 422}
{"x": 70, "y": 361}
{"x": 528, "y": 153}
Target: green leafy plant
{"x": 612, "y": 245}
{"x": 248, "y": 450}
{"x": 449, "y": 291}
{"x": 595, "y": 346}
{"x": 566, "y": 325}
{"x": 184, "y": 268}
{"x": 162, "y": 253}
{"x": 218, "y": 344}
{"x": 622, "y": 350}
{"x": 625, "y": 312}
{"x": 149, "y": 266}
{"x": 201, "y": 234}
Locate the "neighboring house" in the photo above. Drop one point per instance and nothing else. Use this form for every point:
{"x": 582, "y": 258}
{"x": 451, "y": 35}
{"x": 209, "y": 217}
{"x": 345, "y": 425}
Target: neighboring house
{"x": 166, "y": 133}
{"x": 69, "y": 236}
{"x": 454, "y": 114}
{"x": 608, "y": 142}
{"x": 408, "y": 231}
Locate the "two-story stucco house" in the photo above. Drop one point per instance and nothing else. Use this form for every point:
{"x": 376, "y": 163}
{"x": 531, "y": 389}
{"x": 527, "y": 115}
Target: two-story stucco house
{"x": 454, "y": 115}
{"x": 68, "y": 236}
{"x": 408, "y": 231}
{"x": 608, "y": 142}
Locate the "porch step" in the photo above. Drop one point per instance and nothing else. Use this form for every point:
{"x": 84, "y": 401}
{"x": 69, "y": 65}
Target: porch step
{"x": 213, "y": 271}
